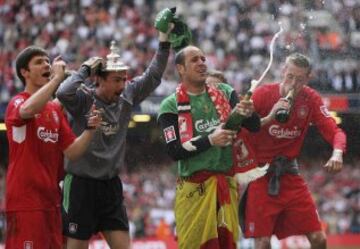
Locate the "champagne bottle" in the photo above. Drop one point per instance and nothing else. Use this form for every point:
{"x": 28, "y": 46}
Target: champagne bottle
{"x": 282, "y": 115}
{"x": 234, "y": 121}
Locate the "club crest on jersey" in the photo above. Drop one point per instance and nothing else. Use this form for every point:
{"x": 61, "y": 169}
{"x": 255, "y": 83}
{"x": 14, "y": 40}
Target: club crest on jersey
{"x": 47, "y": 135}
{"x": 73, "y": 228}
{"x": 169, "y": 134}
{"x": 47, "y": 117}
{"x": 325, "y": 111}
{"x": 242, "y": 151}
{"x": 17, "y": 102}
{"x": 28, "y": 245}
{"x": 206, "y": 109}
{"x": 303, "y": 112}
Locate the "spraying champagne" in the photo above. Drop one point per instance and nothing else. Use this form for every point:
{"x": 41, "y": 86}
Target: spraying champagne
{"x": 235, "y": 119}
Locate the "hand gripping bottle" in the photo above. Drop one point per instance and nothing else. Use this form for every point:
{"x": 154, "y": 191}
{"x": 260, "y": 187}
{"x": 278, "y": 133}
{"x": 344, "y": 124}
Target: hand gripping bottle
{"x": 235, "y": 118}
{"x": 234, "y": 121}
{"x": 282, "y": 115}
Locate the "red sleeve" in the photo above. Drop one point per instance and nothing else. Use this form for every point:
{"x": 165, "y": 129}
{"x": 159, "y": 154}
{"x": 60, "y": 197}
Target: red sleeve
{"x": 326, "y": 124}
{"x": 258, "y": 97}
{"x": 13, "y": 112}
{"x": 67, "y": 136}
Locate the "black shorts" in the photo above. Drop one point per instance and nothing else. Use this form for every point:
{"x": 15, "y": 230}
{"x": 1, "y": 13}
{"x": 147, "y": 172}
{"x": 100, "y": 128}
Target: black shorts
{"x": 90, "y": 206}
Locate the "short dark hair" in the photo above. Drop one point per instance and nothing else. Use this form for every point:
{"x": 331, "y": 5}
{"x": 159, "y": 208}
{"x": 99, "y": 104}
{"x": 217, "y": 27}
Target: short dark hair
{"x": 24, "y": 57}
{"x": 103, "y": 74}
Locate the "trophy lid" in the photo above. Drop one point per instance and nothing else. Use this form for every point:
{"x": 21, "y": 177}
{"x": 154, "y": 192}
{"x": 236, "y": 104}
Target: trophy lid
{"x": 113, "y": 61}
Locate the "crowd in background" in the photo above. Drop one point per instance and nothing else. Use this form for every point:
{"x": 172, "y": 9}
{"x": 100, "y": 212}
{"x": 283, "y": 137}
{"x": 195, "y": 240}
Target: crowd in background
{"x": 235, "y": 35}
{"x": 337, "y": 197}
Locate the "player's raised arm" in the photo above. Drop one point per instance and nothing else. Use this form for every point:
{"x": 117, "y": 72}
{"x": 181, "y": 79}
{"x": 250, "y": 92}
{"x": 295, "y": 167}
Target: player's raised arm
{"x": 42, "y": 92}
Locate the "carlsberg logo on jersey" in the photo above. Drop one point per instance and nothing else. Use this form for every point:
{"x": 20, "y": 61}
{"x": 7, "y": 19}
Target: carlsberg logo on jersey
{"x": 47, "y": 135}
{"x": 279, "y": 132}
{"x": 202, "y": 125}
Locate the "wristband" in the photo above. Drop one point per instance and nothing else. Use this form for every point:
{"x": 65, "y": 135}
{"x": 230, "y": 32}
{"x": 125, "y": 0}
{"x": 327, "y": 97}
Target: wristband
{"x": 337, "y": 154}
{"x": 164, "y": 45}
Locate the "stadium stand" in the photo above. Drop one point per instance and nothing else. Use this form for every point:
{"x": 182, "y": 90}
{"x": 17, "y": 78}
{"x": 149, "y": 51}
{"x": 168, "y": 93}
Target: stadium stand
{"x": 235, "y": 35}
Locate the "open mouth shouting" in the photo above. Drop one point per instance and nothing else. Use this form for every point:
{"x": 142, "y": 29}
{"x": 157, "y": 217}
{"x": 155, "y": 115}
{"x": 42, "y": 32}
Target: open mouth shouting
{"x": 46, "y": 75}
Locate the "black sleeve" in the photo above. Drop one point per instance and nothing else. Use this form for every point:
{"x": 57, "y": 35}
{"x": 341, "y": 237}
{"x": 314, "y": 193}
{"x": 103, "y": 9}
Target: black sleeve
{"x": 252, "y": 123}
{"x": 234, "y": 99}
{"x": 169, "y": 125}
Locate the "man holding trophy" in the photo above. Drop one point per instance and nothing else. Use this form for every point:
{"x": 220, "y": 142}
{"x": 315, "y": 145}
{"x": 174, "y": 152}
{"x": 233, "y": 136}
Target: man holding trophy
{"x": 93, "y": 199}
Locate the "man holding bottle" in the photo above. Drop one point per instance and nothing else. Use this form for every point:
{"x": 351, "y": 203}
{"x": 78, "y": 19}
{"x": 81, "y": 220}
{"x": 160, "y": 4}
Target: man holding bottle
{"x": 280, "y": 203}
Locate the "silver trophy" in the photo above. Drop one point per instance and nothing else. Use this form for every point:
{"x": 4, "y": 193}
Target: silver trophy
{"x": 113, "y": 61}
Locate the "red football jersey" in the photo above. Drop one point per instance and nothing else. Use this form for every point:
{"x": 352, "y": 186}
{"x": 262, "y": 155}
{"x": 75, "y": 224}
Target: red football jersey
{"x": 275, "y": 139}
{"x": 36, "y": 156}
{"x": 244, "y": 158}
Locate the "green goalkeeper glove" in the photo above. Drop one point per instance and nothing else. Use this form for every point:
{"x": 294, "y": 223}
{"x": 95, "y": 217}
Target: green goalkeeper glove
{"x": 164, "y": 18}
{"x": 180, "y": 36}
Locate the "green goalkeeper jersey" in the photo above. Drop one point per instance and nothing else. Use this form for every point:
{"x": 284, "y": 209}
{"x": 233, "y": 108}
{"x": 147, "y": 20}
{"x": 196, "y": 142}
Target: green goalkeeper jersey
{"x": 205, "y": 119}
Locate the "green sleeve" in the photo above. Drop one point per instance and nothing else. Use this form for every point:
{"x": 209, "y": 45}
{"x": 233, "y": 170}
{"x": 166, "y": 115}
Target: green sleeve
{"x": 168, "y": 105}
